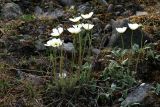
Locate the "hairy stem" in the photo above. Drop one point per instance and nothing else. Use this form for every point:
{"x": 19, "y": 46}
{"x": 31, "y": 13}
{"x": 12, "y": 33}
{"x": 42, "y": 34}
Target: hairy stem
{"x": 132, "y": 39}
{"x": 122, "y": 41}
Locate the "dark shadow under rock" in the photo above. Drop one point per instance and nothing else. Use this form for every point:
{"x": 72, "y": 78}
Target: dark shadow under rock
{"x": 149, "y": 70}
{"x": 67, "y": 2}
{"x": 138, "y": 35}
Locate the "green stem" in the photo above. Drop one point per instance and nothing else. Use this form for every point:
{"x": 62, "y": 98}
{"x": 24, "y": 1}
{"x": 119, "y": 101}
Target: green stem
{"x": 73, "y": 53}
{"x": 61, "y": 61}
{"x": 90, "y": 43}
{"x": 141, "y": 39}
{"x": 122, "y": 41}
{"x": 80, "y": 53}
{"x": 137, "y": 61}
{"x": 132, "y": 39}
{"x": 85, "y": 40}
{"x": 54, "y": 63}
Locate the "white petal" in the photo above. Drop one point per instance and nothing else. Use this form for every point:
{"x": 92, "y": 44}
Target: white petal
{"x": 87, "y": 26}
{"x": 121, "y": 30}
{"x": 87, "y": 16}
{"x": 74, "y": 30}
{"x": 46, "y": 45}
{"x": 55, "y": 34}
{"x": 54, "y": 42}
{"x": 76, "y": 19}
{"x": 71, "y": 30}
{"x": 60, "y": 30}
{"x": 133, "y": 26}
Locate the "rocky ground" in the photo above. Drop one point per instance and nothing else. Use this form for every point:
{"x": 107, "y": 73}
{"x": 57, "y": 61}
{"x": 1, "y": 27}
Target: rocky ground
{"x": 25, "y": 68}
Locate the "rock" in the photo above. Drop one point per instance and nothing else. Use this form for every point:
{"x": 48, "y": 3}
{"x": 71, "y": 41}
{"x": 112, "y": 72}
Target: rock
{"x": 110, "y": 8}
{"x": 39, "y": 45}
{"x": 115, "y": 39}
{"x": 68, "y": 47}
{"x": 67, "y": 2}
{"x": 102, "y": 2}
{"x": 97, "y": 25}
{"x": 117, "y": 13}
{"x": 57, "y": 13}
{"x": 127, "y": 13}
{"x": 33, "y": 79}
{"x": 11, "y": 11}
{"x": 140, "y": 13}
{"x": 39, "y": 13}
{"x": 138, "y": 95}
{"x": 83, "y": 8}
{"x": 96, "y": 51}
{"x": 108, "y": 28}
{"x": 27, "y": 6}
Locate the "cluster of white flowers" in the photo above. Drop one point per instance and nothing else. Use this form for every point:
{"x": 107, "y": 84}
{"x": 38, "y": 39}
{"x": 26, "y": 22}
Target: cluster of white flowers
{"x": 77, "y": 28}
{"x": 131, "y": 26}
{"x": 55, "y": 42}
{"x": 62, "y": 75}
{"x": 84, "y": 16}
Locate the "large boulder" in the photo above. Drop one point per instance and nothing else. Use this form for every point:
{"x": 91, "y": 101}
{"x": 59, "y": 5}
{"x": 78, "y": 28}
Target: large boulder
{"x": 39, "y": 13}
{"x": 115, "y": 39}
{"x": 11, "y": 11}
{"x": 137, "y": 95}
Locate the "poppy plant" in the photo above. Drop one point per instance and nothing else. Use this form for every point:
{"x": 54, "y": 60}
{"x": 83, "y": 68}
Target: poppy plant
{"x": 133, "y": 27}
{"x": 121, "y": 30}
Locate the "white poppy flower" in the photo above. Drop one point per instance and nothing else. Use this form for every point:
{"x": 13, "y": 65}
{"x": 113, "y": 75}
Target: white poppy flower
{"x": 57, "y": 32}
{"x": 121, "y": 30}
{"x": 87, "y": 26}
{"x": 87, "y": 16}
{"x": 63, "y": 75}
{"x": 75, "y": 29}
{"x": 54, "y": 42}
{"x": 133, "y": 26}
{"x": 75, "y": 19}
